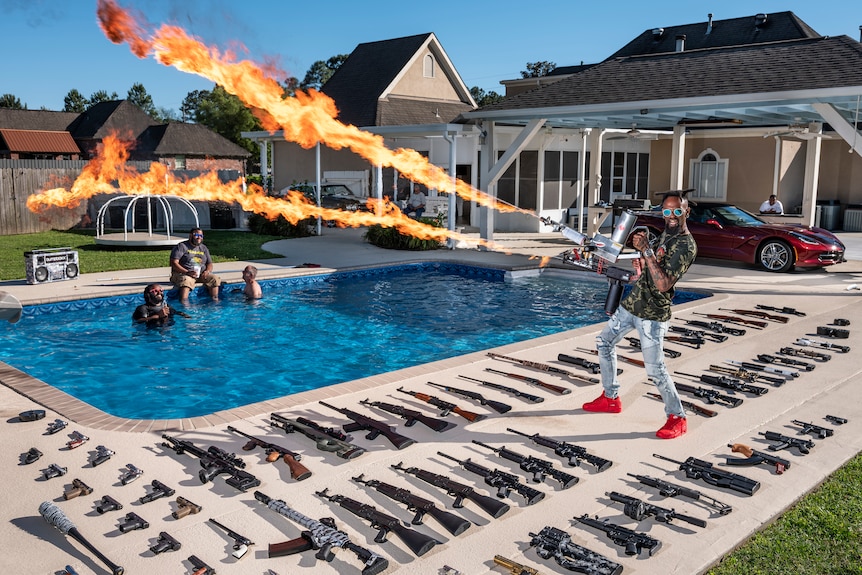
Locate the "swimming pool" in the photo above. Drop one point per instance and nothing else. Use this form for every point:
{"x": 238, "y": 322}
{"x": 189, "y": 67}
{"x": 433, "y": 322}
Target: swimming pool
{"x": 306, "y": 333}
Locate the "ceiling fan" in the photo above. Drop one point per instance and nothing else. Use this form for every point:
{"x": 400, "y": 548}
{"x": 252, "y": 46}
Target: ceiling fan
{"x": 800, "y": 131}
{"x": 634, "y": 134}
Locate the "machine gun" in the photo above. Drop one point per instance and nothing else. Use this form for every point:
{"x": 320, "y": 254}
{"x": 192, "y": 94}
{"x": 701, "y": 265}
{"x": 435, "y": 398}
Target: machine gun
{"x": 632, "y": 541}
{"x": 638, "y": 509}
{"x": 497, "y": 406}
{"x": 419, "y": 543}
{"x": 787, "y": 310}
{"x": 325, "y": 438}
{"x": 815, "y": 355}
{"x": 815, "y": 430}
{"x": 552, "y": 542}
{"x": 706, "y": 472}
{"x": 240, "y": 542}
{"x": 418, "y": 505}
{"x": 710, "y": 396}
{"x": 460, "y": 491}
{"x": 747, "y": 375}
{"x": 804, "y": 446}
{"x": 573, "y": 453}
{"x": 716, "y": 337}
{"x": 543, "y": 367}
{"x": 320, "y": 536}
{"x": 516, "y": 392}
{"x": 275, "y": 452}
{"x": 538, "y": 468}
{"x": 725, "y": 382}
{"x": 668, "y": 489}
{"x": 372, "y": 426}
{"x": 215, "y": 461}
{"x": 503, "y": 482}
{"x": 753, "y": 457}
{"x": 715, "y": 326}
{"x": 445, "y": 406}
{"x": 411, "y": 415}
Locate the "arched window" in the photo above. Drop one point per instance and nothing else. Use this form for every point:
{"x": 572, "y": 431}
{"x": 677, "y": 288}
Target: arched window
{"x": 708, "y": 176}
{"x": 428, "y": 69}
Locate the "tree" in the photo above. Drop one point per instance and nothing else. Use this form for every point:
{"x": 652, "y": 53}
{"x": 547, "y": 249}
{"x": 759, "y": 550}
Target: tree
{"x": 222, "y": 113}
{"x": 75, "y": 102}
{"x": 139, "y": 97}
{"x": 538, "y": 69}
{"x": 167, "y": 115}
{"x": 484, "y": 98}
{"x": 100, "y": 96}
{"x": 191, "y": 103}
{"x": 11, "y": 101}
{"x": 290, "y": 86}
{"x": 321, "y": 71}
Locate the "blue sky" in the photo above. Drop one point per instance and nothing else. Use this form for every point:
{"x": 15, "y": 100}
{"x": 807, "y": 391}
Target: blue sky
{"x": 52, "y": 46}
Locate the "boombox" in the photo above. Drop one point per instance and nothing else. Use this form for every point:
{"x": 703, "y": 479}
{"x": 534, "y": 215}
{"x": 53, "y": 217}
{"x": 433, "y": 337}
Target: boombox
{"x": 51, "y": 265}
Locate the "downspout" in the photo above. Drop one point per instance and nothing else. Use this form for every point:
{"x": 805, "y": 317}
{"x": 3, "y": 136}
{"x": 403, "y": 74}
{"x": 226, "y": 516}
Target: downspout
{"x": 264, "y": 165}
{"x": 582, "y": 174}
{"x": 317, "y": 183}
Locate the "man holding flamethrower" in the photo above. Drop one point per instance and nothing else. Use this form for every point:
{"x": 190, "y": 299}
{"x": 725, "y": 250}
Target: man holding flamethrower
{"x": 647, "y": 309}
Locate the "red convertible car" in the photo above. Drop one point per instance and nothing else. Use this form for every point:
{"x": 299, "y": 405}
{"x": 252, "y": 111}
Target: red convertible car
{"x": 727, "y": 232}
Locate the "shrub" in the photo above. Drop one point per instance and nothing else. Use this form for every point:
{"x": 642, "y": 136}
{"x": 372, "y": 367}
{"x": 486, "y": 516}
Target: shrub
{"x": 391, "y": 238}
{"x": 262, "y": 225}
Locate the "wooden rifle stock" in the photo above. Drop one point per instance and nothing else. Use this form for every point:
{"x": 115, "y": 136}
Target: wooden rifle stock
{"x": 755, "y": 313}
{"x": 298, "y": 471}
{"x": 689, "y": 405}
{"x": 734, "y": 319}
{"x": 444, "y": 405}
{"x": 544, "y": 367}
{"x": 631, "y": 360}
{"x": 289, "y": 547}
{"x": 544, "y": 385}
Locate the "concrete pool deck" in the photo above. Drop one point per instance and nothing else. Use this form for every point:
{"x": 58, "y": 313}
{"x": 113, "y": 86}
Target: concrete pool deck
{"x": 627, "y": 439}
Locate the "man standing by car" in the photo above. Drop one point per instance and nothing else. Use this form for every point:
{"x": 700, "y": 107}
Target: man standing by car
{"x": 647, "y": 309}
{"x": 191, "y": 264}
{"x": 772, "y": 206}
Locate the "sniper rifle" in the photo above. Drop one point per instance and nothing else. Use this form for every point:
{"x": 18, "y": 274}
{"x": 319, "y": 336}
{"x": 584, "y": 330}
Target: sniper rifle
{"x": 411, "y": 415}
{"x": 215, "y": 461}
{"x": 638, "y": 509}
{"x": 753, "y": 457}
{"x": 668, "y": 489}
{"x": 632, "y": 541}
{"x": 372, "y": 426}
{"x": 544, "y": 385}
{"x": 325, "y": 438}
{"x": 543, "y": 367}
{"x": 703, "y": 470}
{"x": 539, "y": 468}
{"x": 573, "y": 453}
{"x": 503, "y": 482}
{"x": 556, "y": 543}
{"x": 516, "y": 392}
{"x": 275, "y": 452}
{"x": 445, "y": 406}
{"x": 725, "y": 382}
{"x": 497, "y": 406}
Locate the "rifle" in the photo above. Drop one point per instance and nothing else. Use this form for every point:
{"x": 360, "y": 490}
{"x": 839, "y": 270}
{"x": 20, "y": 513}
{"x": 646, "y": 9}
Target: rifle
{"x": 715, "y": 327}
{"x": 755, "y": 457}
{"x": 544, "y": 367}
{"x": 444, "y": 405}
{"x": 568, "y": 359}
{"x": 514, "y": 567}
{"x": 556, "y": 543}
{"x": 215, "y": 461}
{"x": 787, "y": 373}
{"x": 539, "y": 468}
{"x": 636, "y": 343}
{"x": 725, "y": 382}
{"x": 804, "y": 446}
{"x": 815, "y": 430}
{"x": 690, "y": 406}
{"x": 638, "y": 510}
{"x": 320, "y": 536}
{"x": 815, "y": 355}
{"x": 766, "y": 358}
{"x": 831, "y": 418}
{"x": 460, "y": 491}
{"x": 372, "y": 426}
{"x": 733, "y": 319}
{"x": 533, "y": 380}
{"x": 411, "y": 415}
{"x": 497, "y": 406}
{"x": 760, "y": 314}
{"x": 668, "y": 489}
{"x": 326, "y": 438}
{"x": 705, "y": 471}
{"x": 503, "y": 482}
{"x": 708, "y": 395}
{"x": 787, "y": 310}
{"x": 240, "y": 542}
{"x": 419, "y": 543}
{"x": 451, "y": 522}
{"x": 716, "y": 337}
{"x": 746, "y": 375}
{"x": 590, "y": 366}
{"x": 574, "y": 453}
{"x": 275, "y": 452}
{"x": 805, "y": 342}
{"x": 517, "y": 393}
{"x": 632, "y": 541}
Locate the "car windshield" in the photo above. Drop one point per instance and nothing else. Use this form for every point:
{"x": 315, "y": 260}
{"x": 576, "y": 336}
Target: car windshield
{"x": 338, "y": 190}
{"x": 727, "y": 214}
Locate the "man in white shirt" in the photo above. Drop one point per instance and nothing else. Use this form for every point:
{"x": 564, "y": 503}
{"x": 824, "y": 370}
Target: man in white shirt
{"x": 771, "y": 206}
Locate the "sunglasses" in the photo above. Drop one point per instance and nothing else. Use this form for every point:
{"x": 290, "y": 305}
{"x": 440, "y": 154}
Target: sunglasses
{"x": 155, "y": 291}
{"x": 676, "y": 211}
{"x": 198, "y": 235}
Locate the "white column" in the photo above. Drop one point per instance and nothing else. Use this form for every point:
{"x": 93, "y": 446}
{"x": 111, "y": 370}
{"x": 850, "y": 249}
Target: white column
{"x": 264, "y": 165}
{"x": 812, "y": 175}
{"x": 595, "y": 186}
{"x": 582, "y": 175}
{"x": 677, "y": 158}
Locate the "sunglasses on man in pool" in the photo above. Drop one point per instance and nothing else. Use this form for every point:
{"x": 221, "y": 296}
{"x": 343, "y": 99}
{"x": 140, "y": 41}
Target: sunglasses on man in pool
{"x": 676, "y": 211}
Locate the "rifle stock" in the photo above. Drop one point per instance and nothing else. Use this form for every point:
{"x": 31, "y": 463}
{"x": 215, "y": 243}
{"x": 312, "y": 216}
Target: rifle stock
{"x": 411, "y": 416}
{"x": 444, "y": 405}
{"x": 373, "y": 427}
{"x": 533, "y": 380}
{"x": 298, "y": 471}
{"x": 543, "y": 367}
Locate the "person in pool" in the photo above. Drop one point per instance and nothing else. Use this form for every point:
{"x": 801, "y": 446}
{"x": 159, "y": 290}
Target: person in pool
{"x": 155, "y": 310}
{"x": 252, "y": 289}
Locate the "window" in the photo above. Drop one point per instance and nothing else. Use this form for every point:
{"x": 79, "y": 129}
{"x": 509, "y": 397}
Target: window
{"x": 624, "y": 173}
{"x": 428, "y": 66}
{"x": 561, "y": 178}
{"x": 180, "y": 163}
{"x": 518, "y": 185}
{"x": 708, "y": 176}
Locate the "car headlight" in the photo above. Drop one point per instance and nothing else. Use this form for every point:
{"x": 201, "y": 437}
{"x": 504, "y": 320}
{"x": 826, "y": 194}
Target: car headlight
{"x": 351, "y": 207}
{"x": 806, "y": 239}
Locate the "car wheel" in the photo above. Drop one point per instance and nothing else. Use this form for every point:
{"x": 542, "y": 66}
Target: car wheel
{"x": 775, "y": 256}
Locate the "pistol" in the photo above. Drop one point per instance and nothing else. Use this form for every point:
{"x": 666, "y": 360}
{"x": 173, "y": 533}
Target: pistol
{"x": 159, "y": 490}
{"x": 165, "y": 543}
{"x": 78, "y": 488}
{"x": 185, "y": 507}
{"x": 108, "y": 503}
{"x": 133, "y": 521}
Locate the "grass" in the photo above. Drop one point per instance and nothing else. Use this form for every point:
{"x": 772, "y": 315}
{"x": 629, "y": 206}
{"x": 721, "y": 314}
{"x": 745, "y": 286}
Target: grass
{"x": 224, "y": 246}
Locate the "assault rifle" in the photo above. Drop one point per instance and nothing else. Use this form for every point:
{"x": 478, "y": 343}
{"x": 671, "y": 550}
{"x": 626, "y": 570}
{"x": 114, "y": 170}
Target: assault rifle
{"x": 241, "y": 543}
{"x": 748, "y": 375}
{"x": 787, "y": 310}
{"x": 767, "y": 358}
{"x": 706, "y": 472}
{"x": 451, "y": 522}
{"x": 725, "y": 382}
{"x": 539, "y": 468}
{"x": 716, "y": 337}
{"x": 638, "y": 510}
{"x": 323, "y": 537}
{"x": 544, "y": 367}
{"x": 503, "y": 482}
{"x": 787, "y": 373}
{"x": 815, "y": 430}
{"x": 753, "y": 457}
{"x": 215, "y": 461}
{"x": 636, "y": 343}
{"x": 574, "y": 453}
{"x": 805, "y": 342}
{"x": 460, "y": 491}
{"x": 516, "y": 392}
{"x": 754, "y": 313}
{"x": 668, "y": 489}
{"x": 556, "y": 543}
{"x": 372, "y": 426}
{"x": 708, "y": 395}
{"x": 275, "y": 452}
{"x": 445, "y": 406}
{"x": 419, "y": 543}
{"x": 544, "y": 385}
{"x": 689, "y": 406}
{"x": 326, "y": 438}
{"x": 715, "y": 327}
{"x": 569, "y": 359}
{"x": 632, "y": 541}
{"x": 411, "y": 415}
{"x": 804, "y": 446}
{"x": 497, "y": 406}
{"x": 815, "y": 355}
{"x": 733, "y": 319}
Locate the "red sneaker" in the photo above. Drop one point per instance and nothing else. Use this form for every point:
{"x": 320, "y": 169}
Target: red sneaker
{"x": 674, "y": 427}
{"x": 604, "y": 404}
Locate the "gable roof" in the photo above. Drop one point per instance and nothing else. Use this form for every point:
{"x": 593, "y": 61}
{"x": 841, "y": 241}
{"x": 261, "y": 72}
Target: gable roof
{"x": 39, "y": 141}
{"x": 188, "y": 140}
{"x": 117, "y": 116}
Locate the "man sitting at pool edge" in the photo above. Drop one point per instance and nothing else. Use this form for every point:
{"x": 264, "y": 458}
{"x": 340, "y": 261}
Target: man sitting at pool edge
{"x": 191, "y": 264}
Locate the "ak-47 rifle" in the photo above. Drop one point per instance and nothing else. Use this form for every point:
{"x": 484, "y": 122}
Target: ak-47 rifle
{"x": 716, "y": 337}
{"x": 326, "y": 438}
{"x": 445, "y": 406}
{"x": 815, "y": 430}
{"x": 747, "y": 375}
{"x": 638, "y": 509}
{"x": 804, "y": 446}
{"x": 708, "y": 395}
{"x": 569, "y": 451}
{"x": 725, "y": 382}
{"x": 372, "y": 426}
{"x": 690, "y": 406}
{"x": 538, "y": 382}
{"x": 733, "y": 319}
{"x": 753, "y": 457}
{"x": 788, "y": 310}
{"x": 411, "y": 415}
{"x": 815, "y": 355}
{"x": 787, "y": 373}
{"x": 754, "y": 313}
{"x": 516, "y": 392}
{"x": 636, "y": 343}
{"x": 497, "y": 406}
{"x": 275, "y": 452}
{"x": 805, "y": 342}
{"x": 556, "y": 543}
{"x": 631, "y": 360}
{"x": 715, "y": 327}
{"x": 703, "y": 470}
{"x": 632, "y": 541}
{"x": 539, "y": 468}
{"x": 544, "y": 367}
{"x": 503, "y": 482}
{"x": 668, "y": 489}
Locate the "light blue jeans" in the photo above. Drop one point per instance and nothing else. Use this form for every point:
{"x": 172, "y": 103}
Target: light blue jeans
{"x": 652, "y": 341}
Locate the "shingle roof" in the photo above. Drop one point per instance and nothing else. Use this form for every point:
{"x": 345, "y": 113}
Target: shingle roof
{"x": 104, "y": 118}
{"x": 36, "y": 120}
{"x": 188, "y": 140}
{"x": 39, "y": 141}
{"x": 403, "y": 111}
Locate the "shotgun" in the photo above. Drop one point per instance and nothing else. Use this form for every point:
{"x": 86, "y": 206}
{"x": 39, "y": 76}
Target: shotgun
{"x": 517, "y": 393}
{"x": 533, "y": 380}
{"x": 497, "y": 406}
{"x": 754, "y": 313}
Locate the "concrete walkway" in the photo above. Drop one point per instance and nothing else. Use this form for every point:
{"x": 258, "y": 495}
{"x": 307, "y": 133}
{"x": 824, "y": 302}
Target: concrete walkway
{"x": 627, "y": 439}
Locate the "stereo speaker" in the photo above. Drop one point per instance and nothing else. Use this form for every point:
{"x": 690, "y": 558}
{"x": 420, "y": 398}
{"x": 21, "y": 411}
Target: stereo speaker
{"x": 51, "y": 265}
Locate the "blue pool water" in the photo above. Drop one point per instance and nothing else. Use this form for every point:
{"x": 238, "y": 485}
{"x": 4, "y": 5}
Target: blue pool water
{"x": 306, "y": 333}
